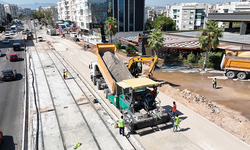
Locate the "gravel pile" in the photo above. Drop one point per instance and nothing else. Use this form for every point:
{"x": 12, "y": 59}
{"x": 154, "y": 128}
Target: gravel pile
{"x": 116, "y": 67}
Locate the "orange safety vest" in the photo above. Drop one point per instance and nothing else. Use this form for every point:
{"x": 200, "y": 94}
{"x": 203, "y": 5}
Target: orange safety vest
{"x": 174, "y": 108}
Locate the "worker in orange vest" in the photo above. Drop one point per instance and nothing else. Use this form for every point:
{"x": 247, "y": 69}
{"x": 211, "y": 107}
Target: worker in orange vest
{"x": 174, "y": 109}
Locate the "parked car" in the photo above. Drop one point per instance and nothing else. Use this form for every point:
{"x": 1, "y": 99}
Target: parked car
{"x": 8, "y": 74}
{"x": 7, "y": 36}
{"x": 6, "y": 41}
{"x": 23, "y": 32}
{"x": 16, "y": 46}
{"x": 1, "y": 137}
{"x": 76, "y": 39}
{"x": 40, "y": 39}
{"x": 14, "y": 57}
{"x": 73, "y": 34}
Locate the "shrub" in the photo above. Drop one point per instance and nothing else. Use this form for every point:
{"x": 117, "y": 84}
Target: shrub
{"x": 213, "y": 60}
{"x": 131, "y": 49}
{"x": 167, "y": 58}
{"x": 191, "y": 58}
{"x": 118, "y": 45}
{"x": 180, "y": 58}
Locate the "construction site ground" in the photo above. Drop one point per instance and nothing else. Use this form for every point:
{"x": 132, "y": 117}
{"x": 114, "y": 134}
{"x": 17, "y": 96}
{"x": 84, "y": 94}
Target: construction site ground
{"x": 196, "y": 132}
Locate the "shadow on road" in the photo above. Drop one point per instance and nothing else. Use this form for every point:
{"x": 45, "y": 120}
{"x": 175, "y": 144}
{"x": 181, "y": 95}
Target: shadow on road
{"x": 162, "y": 82}
{"x": 184, "y": 129}
{"x": 19, "y": 76}
{"x": 8, "y": 143}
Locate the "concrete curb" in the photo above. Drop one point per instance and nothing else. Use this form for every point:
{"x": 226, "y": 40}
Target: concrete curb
{"x": 25, "y": 106}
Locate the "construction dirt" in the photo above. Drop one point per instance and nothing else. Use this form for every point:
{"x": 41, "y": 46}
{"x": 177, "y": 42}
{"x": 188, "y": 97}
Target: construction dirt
{"x": 116, "y": 67}
{"x": 227, "y": 106}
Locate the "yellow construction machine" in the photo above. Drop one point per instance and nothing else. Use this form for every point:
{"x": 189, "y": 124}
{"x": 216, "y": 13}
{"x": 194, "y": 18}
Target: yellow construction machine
{"x": 135, "y": 65}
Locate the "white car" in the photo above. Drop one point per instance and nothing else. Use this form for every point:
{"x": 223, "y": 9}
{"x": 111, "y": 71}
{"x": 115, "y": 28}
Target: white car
{"x": 73, "y": 34}
{"x": 40, "y": 39}
{"x": 6, "y": 41}
{"x": 7, "y": 36}
{"x": 12, "y": 33}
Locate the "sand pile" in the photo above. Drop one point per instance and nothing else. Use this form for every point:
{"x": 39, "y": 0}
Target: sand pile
{"x": 238, "y": 126}
{"x": 116, "y": 67}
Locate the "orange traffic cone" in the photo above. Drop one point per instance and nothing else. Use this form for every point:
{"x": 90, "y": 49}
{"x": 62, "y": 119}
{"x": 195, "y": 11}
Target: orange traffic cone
{"x": 6, "y": 57}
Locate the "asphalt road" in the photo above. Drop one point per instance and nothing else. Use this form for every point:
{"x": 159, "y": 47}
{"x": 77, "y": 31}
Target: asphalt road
{"x": 12, "y": 97}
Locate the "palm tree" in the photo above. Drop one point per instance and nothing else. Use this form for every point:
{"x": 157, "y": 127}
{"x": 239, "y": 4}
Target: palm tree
{"x": 111, "y": 27}
{"x": 155, "y": 39}
{"x": 209, "y": 38}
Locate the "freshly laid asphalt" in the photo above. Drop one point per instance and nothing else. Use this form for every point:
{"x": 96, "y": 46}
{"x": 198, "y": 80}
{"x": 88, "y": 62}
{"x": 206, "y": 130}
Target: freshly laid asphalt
{"x": 12, "y": 97}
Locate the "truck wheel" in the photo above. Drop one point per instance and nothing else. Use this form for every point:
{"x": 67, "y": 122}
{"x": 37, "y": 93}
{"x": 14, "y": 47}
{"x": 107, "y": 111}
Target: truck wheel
{"x": 230, "y": 74}
{"x": 98, "y": 85}
{"x": 94, "y": 80}
{"x": 242, "y": 75}
{"x": 106, "y": 93}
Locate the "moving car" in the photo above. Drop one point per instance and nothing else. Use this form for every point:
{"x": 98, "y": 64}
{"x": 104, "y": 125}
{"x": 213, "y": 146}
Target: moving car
{"x": 40, "y": 39}
{"x": 7, "y": 36}
{"x": 12, "y": 33}
{"x": 14, "y": 57}
{"x": 16, "y": 46}
{"x": 23, "y": 32}
{"x": 6, "y": 41}
{"x": 8, "y": 74}
{"x": 1, "y": 137}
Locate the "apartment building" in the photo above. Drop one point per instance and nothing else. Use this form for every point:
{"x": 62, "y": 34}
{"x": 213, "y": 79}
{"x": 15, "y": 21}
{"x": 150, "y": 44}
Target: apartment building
{"x": 11, "y": 9}
{"x": 189, "y": 16}
{"x": 2, "y": 13}
{"x": 149, "y": 13}
{"x": 168, "y": 9}
{"x": 129, "y": 13}
{"x": 25, "y": 11}
{"x": 54, "y": 10}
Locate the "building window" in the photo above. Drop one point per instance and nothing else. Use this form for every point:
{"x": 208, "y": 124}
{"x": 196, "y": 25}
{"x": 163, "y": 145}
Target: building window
{"x": 121, "y": 24}
{"x": 174, "y": 11}
{"x": 131, "y": 15}
{"x": 178, "y": 10}
{"x": 183, "y": 27}
{"x": 198, "y": 17}
{"x": 177, "y": 21}
{"x": 199, "y": 10}
{"x": 174, "y": 17}
{"x": 82, "y": 24}
{"x": 191, "y": 18}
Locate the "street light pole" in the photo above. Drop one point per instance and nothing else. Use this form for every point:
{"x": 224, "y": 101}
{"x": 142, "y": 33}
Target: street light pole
{"x": 35, "y": 29}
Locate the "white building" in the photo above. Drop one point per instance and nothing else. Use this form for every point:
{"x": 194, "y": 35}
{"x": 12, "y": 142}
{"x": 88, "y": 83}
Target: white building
{"x": 2, "y": 13}
{"x": 25, "y": 11}
{"x": 168, "y": 9}
{"x": 189, "y": 16}
{"x": 11, "y": 9}
{"x": 149, "y": 13}
{"x": 78, "y": 11}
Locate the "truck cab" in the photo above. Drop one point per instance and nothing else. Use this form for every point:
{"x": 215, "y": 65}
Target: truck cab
{"x": 96, "y": 76}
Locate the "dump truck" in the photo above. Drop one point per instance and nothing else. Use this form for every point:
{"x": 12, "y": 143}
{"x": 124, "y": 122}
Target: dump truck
{"x": 134, "y": 97}
{"x": 135, "y": 65}
{"x": 236, "y": 66}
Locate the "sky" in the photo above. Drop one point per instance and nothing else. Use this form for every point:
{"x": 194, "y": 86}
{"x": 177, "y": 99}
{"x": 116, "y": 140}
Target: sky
{"x": 148, "y": 2}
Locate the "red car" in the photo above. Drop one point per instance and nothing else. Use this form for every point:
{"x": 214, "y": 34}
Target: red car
{"x": 1, "y": 137}
{"x": 14, "y": 57}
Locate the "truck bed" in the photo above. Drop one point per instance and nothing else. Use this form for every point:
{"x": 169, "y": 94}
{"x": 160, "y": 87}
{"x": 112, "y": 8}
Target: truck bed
{"x": 235, "y": 63}
{"x": 110, "y": 65}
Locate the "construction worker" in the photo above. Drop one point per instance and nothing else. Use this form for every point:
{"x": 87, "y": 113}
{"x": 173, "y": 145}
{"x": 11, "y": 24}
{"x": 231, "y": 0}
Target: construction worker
{"x": 174, "y": 109}
{"x": 121, "y": 125}
{"x": 64, "y": 74}
{"x": 214, "y": 81}
{"x": 176, "y": 122}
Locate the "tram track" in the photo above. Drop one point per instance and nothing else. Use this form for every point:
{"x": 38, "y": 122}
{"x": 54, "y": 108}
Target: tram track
{"x": 58, "y": 64}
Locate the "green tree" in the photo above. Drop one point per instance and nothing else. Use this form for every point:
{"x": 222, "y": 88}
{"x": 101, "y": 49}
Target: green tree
{"x": 156, "y": 39}
{"x": 209, "y": 38}
{"x": 111, "y": 27}
{"x": 148, "y": 25}
{"x": 164, "y": 22}
{"x": 9, "y": 17}
{"x": 191, "y": 58}
{"x": 20, "y": 16}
